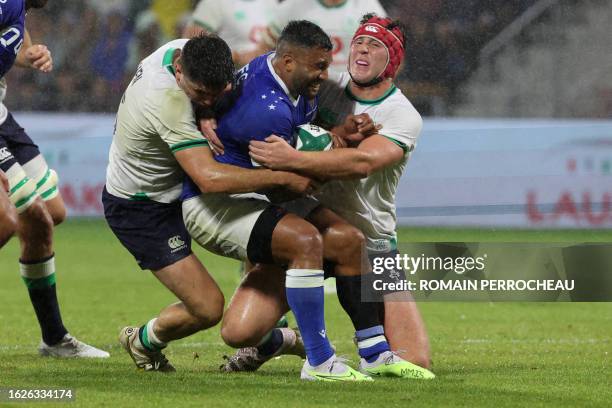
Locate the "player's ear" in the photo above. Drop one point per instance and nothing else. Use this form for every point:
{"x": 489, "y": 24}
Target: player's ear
{"x": 178, "y": 67}
{"x": 289, "y": 62}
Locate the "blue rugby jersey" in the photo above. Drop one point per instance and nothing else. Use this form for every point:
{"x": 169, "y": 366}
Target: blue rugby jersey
{"x": 12, "y": 27}
{"x": 259, "y": 105}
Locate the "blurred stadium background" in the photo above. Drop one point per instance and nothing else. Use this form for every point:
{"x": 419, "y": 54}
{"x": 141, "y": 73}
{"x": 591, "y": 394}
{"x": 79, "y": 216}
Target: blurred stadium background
{"x": 477, "y": 58}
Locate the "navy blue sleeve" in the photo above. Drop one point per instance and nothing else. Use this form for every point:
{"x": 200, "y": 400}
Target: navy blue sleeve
{"x": 12, "y": 18}
{"x": 7, "y": 59}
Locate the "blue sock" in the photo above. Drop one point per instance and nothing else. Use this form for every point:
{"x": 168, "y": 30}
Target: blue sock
{"x": 371, "y": 342}
{"x": 306, "y": 298}
{"x": 271, "y": 343}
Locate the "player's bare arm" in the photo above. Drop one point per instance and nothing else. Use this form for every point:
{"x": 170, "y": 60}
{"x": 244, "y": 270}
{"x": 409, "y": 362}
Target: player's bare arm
{"x": 214, "y": 177}
{"x": 372, "y": 154}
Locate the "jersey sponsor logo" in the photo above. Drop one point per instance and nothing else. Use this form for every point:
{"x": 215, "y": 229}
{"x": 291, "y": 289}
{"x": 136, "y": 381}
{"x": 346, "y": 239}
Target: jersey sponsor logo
{"x": 5, "y": 154}
{"x": 338, "y": 46}
{"x": 176, "y": 243}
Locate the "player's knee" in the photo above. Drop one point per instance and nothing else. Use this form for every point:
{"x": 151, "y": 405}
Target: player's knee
{"x": 58, "y": 213}
{"x": 208, "y": 313}
{"x": 239, "y": 335}
{"x": 36, "y": 224}
{"x": 8, "y": 224}
{"x": 308, "y": 242}
{"x": 346, "y": 240}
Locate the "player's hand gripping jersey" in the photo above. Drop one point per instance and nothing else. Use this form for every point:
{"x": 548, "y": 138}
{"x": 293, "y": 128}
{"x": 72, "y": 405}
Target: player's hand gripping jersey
{"x": 369, "y": 203}
{"x": 155, "y": 119}
{"x": 259, "y": 106}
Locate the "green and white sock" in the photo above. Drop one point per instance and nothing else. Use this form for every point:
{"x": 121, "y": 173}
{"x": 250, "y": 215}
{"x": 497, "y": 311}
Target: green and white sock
{"x": 148, "y": 338}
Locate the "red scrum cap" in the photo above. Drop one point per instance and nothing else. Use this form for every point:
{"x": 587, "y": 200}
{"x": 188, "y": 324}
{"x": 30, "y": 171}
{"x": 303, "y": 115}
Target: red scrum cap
{"x": 393, "y": 40}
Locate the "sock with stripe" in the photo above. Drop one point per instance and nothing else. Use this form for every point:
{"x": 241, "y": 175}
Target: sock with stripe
{"x": 148, "y": 338}
{"x": 305, "y": 296}
{"x": 39, "y": 277}
{"x": 365, "y": 316}
{"x": 270, "y": 343}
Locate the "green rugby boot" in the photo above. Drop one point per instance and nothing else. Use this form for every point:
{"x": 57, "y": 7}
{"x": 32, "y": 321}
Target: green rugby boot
{"x": 389, "y": 364}
{"x": 334, "y": 369}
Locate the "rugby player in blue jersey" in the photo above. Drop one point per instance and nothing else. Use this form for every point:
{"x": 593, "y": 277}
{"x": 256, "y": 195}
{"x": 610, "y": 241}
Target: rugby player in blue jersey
{"x": 364, "y": 177}
{"x": 275, "y": 94}
{"x": 32, "y": 190}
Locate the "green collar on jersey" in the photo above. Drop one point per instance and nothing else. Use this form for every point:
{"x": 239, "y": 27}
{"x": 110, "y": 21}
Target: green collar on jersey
{"x": 336, "y": 6}
{"x": 389, "y": 92}
{"x": 167, "y": 61}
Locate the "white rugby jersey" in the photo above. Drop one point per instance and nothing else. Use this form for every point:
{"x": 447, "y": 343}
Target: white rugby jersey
{"x": 239, "y": 22}
{"x": 339, "y": 22}
{"x": 369, "y": 203}
{"x": 155, "y": 120}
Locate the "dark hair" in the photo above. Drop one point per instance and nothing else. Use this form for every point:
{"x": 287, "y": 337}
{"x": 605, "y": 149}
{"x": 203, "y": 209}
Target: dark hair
{"x": 305, "y": 34}
{"x": 393, "y": 24}
{"x": 30, "y": 4}
{"x": 207, "y": 60}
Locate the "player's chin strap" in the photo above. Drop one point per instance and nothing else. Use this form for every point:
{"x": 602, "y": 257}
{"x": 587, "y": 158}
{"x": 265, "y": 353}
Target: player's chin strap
{"x": 371, "y": 82}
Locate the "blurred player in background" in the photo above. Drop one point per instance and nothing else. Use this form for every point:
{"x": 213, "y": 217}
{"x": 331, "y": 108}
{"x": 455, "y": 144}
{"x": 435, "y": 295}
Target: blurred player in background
{"x": 156, "y": 142}
{"x": 33, "y": 189}
{"x": 241, "y": 23}
{"x": 338, "y": 18}
{"x": 368, "y": 172}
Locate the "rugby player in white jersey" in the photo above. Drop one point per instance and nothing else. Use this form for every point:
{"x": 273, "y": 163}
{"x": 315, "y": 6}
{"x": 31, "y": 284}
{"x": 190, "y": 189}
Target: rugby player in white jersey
{"x": 32, "y": 189}
{"x": 156, "y": 142}
{"x": 338, "y": 18}
{"x": 368, "y": 173}
{"x": 240, "y": 23}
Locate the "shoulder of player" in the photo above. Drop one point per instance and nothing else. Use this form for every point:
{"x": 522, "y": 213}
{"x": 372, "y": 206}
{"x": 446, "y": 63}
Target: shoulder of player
{"x": 396, "y": 112}
{"x": 398, "y": 104}
{"x": 12, "y": 13}
{"x": 266, "y": 96}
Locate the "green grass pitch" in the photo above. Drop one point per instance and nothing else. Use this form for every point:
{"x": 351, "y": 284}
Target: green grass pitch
{"x": 485, "y": 354}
